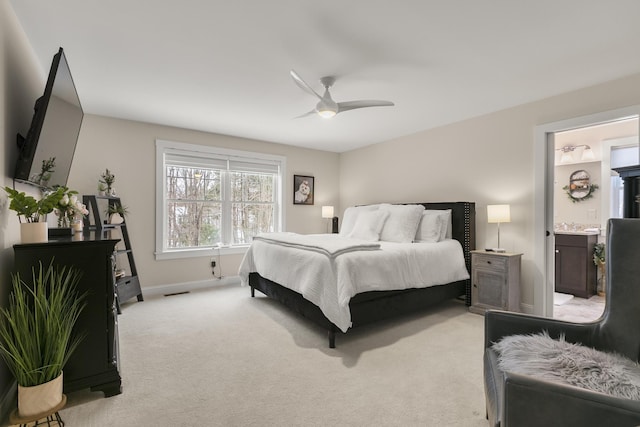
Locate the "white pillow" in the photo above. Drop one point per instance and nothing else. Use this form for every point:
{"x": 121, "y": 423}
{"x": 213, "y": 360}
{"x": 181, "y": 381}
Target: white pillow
{"x": 402, "y": 223}
{"x": 430, "y": 227}
{"x": 351, "y": 216}
{"x": 447, "y": 232}
{"x": 369, "y": 225}
{"x": 434, "y": 226}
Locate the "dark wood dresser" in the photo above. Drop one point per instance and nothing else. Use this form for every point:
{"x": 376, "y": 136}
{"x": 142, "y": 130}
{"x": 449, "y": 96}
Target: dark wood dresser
{"x": 95, "y": 363}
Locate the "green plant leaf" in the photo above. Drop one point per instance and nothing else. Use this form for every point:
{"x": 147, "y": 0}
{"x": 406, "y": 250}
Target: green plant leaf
{"x": 36, "y": 326}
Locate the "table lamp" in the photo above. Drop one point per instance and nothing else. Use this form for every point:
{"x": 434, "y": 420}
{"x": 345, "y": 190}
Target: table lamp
{"x": 327, "y": 212}
{"x": 497, "y": 214}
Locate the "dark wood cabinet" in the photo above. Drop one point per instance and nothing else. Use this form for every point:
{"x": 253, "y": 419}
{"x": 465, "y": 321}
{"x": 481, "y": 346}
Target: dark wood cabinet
{"x": 575, "y": 271}
{"x": 95, "y": 363}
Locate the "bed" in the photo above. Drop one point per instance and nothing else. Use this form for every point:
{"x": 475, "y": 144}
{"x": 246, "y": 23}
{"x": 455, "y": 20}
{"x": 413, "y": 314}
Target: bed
{"x": 362, "y": 305}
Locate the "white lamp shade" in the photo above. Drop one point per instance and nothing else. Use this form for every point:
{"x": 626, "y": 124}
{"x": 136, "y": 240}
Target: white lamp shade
{"x": 587, "y": 154}
{"x": 566, "y": 157}
{"x": 327, "y": 212}
{"x": 498, "y": 213}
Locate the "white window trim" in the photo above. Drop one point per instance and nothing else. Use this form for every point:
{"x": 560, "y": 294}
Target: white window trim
{"x": 162, "y": 147}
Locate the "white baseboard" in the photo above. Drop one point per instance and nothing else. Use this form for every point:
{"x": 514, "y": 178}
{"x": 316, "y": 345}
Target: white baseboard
{"x": 8, "y": 402}
{"x": 189, "y": 286}
{"x": 526, "y": 308}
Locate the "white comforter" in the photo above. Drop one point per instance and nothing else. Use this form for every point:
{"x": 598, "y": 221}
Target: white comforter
{"x": 331, "y": 281}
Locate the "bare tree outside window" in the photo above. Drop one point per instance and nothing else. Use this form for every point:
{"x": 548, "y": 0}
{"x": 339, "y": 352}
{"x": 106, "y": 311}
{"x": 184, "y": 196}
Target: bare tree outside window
{"x": 252, "y": 204}
{"x": 195, "y": 205}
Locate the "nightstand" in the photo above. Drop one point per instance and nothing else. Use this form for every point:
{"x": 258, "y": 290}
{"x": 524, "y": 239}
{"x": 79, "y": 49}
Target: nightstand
{"x": 495, "y": 281}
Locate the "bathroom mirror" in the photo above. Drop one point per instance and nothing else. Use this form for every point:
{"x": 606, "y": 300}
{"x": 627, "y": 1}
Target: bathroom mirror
{"x": 579, "y": 184}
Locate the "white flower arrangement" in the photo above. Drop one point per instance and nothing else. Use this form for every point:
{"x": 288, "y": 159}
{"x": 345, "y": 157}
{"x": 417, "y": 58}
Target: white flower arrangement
{"x": 70, "y": 209}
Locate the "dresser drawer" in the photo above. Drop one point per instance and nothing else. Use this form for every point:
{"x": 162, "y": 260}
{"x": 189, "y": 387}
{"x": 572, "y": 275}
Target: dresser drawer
{"x": 491, "y": 262}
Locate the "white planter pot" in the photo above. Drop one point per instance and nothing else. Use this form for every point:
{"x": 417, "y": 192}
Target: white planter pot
{"x": 115, "y": 218}
{"x": 39, "y": 399}
{"x": 33, "y": 232}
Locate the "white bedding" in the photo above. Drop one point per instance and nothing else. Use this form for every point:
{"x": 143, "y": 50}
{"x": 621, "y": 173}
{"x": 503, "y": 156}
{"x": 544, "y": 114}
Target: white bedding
{"x": 331, "y": 281}
{"x": 324, "y": 243}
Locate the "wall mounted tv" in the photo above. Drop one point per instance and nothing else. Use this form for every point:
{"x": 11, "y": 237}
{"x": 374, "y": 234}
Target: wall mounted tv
{"x": 54, "y": 129}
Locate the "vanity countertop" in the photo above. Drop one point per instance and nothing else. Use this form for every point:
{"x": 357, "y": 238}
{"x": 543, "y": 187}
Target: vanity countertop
{"x": 588, "y": 232}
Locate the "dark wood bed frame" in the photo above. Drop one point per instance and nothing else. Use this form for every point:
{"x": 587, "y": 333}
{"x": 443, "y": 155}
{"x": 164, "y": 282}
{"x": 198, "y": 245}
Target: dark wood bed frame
{"x": 369, "y": 307}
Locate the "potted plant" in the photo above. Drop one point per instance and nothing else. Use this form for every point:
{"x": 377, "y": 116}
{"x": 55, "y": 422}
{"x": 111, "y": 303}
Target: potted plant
{"x": 31, "y": 212}
{"x": 116, "y": 213}
{"x": 599, "y": 260}
{"x": 36, "y": 337}
{"x": 108, "y": 179}
{"x": 70, "y": 210}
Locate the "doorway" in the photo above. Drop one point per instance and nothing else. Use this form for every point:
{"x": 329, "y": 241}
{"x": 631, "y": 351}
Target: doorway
{"x": 544, "y": 160}
{"x": 585, "y": 195}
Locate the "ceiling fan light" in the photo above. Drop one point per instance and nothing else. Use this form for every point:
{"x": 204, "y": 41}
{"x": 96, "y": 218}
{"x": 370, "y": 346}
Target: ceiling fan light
{"x": 326, "y": 113}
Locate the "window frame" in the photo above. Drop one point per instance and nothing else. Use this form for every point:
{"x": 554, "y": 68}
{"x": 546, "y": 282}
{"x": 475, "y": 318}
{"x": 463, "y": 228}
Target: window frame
{"x": 164, "y": 147}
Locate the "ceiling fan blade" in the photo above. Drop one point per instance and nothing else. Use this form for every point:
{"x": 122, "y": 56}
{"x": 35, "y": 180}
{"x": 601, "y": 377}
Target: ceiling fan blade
{"x": 306, "y": 114}
{"x": 352, "y": 105}
{"x": 302, "y": 84}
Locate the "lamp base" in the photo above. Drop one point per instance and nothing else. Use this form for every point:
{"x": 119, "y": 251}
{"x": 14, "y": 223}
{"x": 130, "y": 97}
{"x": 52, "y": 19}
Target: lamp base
{"x": 498, "y": 250}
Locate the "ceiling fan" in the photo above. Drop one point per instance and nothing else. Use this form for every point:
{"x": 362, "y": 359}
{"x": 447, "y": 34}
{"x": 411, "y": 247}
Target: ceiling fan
{"x": 327, "y": 107}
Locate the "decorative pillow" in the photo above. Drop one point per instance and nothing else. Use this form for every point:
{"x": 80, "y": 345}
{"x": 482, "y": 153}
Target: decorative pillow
{"x": 430, "y": 227}
{"x": 541, "y": 356}
{"x": 368, "y": 225}
{"x": 447, "y": 229}
{"x": 444, "y": 219}
{"x": 351, "y": 216}
{"x": 402, "y": 223}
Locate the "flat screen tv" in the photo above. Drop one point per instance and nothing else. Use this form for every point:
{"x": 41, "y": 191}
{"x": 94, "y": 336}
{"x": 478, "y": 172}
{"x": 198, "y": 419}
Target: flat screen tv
{"x": 54, "y": 129}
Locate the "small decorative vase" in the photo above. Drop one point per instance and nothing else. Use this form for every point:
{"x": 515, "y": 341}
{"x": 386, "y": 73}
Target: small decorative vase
{"x": 115, "y": 218}
{"x": 76, "y": 225}
{"x": 39, "y": 399}
{"x": 33, "y": 232}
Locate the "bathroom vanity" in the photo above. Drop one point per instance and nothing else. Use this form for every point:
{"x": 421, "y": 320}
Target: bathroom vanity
{"x": 576, "y": 273}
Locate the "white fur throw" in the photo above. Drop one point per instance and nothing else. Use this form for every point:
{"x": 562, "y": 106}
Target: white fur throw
{"x": 540, "y": 356}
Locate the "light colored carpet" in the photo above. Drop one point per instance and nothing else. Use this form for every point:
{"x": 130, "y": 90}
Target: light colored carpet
{"x": 218, "y": 357}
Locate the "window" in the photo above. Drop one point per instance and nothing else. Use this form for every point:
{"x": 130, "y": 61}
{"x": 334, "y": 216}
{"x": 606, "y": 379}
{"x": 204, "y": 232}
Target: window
{"x": 214, "y": 198}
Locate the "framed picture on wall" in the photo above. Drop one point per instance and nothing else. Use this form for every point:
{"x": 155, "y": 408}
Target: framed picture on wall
{"x": 302, "y": 190}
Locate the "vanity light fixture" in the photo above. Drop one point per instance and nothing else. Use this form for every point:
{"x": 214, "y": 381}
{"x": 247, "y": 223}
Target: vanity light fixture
{"x": 567, "y": 153}
{"x": 497, "y": 214}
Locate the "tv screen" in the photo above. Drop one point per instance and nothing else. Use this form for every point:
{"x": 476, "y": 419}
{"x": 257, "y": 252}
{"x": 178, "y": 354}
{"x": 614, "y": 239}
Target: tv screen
{"x": 54, "y": 130}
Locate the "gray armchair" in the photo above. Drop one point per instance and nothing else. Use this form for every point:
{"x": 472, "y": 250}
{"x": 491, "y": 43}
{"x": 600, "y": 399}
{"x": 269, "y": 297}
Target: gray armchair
{"x": 515, "y": 400}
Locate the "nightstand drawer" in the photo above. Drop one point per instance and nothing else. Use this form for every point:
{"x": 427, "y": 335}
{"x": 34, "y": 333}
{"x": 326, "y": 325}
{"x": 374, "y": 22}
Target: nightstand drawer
{"x": 492, "y": 262}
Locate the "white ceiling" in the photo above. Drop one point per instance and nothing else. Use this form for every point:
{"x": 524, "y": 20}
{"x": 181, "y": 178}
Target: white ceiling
{"x": 223, "y": 66}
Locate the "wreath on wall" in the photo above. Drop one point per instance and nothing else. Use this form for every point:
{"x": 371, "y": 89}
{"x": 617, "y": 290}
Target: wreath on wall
{"x": 588, "y": 195}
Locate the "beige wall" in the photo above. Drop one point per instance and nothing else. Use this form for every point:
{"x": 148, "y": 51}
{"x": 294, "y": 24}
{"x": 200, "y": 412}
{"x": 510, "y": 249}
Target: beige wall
{"x": 584, "y": 212}
{"x": 487, "y": 160}
{"x": 21, "y": 82}
{"x": 127, "y": 148}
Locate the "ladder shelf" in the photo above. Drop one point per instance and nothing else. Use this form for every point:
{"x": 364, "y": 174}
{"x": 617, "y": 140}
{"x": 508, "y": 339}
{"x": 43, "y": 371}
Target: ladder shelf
{"x": 127, "y": 283}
